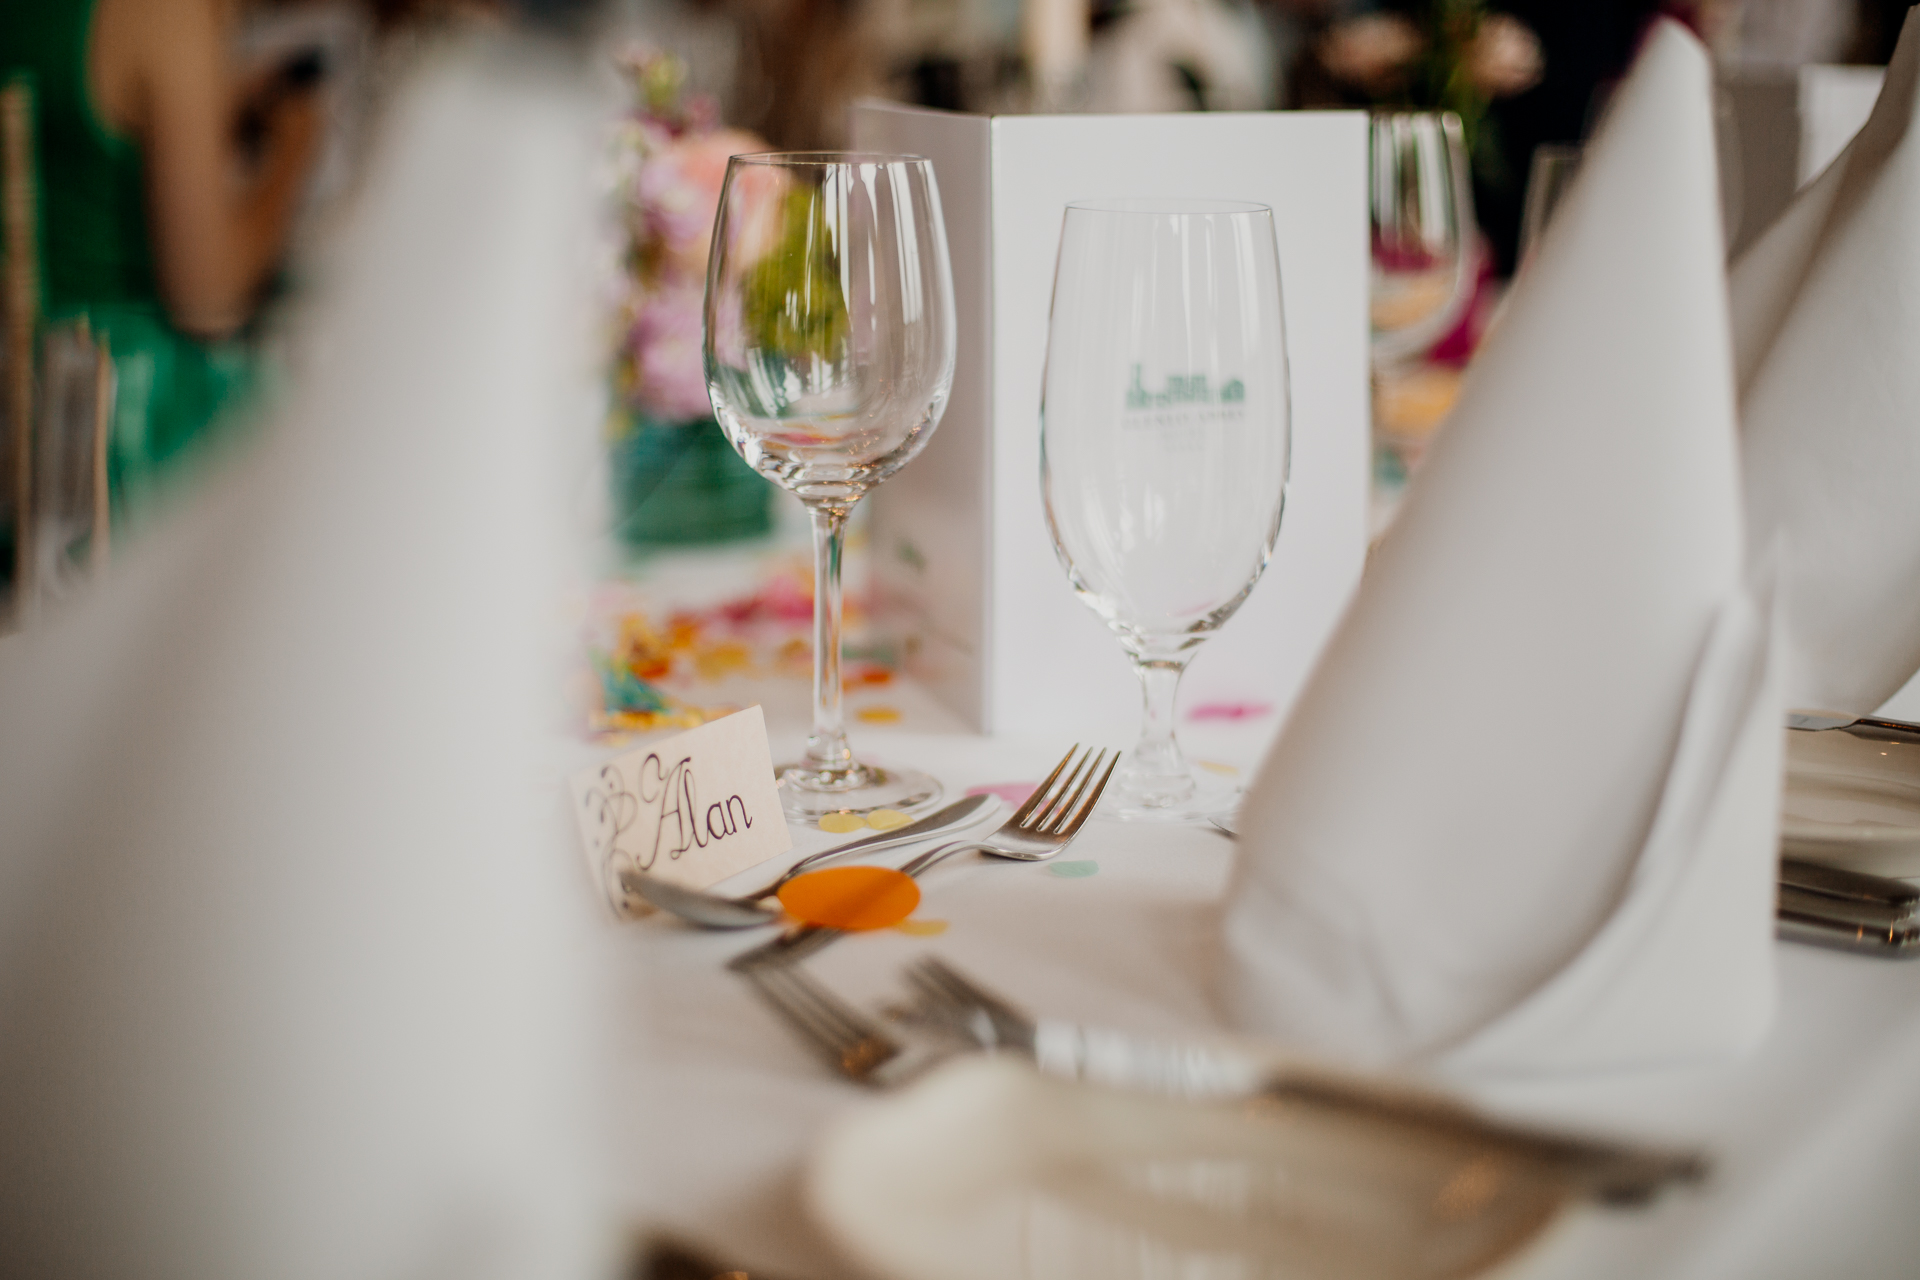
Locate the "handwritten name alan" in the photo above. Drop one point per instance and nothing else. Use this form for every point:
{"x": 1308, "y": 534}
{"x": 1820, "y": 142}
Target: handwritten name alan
{"x": 679, "y": 801}
{"x": 665, "y": 807}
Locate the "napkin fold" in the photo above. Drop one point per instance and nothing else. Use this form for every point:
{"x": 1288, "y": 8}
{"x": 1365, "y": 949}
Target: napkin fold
{"x": 1534, "y": 759}
{"x": 291, "y": 977}
{"x": 1826, "y": 333}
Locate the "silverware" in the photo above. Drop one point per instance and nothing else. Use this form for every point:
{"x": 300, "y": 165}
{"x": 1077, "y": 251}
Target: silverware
{"x": 1047, "y": 823}
{"x": 1846, "y": 910}
{"x": 1877, "y": 728}
{"x": 1877, "y": 915}
{"x": 715, "y": 911}
{"x": 1838, "y": 933}
{"x": 850, "y": 1042}
{"x": 1618, "y": 1173}
{"x": 1849, "y": 886}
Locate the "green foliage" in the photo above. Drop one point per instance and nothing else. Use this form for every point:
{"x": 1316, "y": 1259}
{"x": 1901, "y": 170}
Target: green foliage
{"x": 792, "y": 298}
{"x": 1441, "y": 80}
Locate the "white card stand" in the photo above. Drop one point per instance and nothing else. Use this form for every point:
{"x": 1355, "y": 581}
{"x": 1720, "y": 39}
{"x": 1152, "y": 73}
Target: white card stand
{"x": 964, "y": 568}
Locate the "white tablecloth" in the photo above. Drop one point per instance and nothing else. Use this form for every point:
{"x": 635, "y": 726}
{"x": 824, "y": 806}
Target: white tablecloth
{"x": 1816, "y": 1138}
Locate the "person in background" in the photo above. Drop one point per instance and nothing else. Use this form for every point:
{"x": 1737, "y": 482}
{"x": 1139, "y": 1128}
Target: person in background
{"x": 168, "y": 185}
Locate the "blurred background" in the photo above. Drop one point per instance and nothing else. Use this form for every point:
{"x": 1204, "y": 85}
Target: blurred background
{"x": 190, "y": 159}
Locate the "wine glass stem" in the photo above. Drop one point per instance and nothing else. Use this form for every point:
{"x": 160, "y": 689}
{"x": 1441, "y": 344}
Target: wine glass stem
{"x": 827, "y": 750}
{"x": 1157, "y": 755}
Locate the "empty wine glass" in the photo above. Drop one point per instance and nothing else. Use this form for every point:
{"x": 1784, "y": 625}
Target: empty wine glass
{"x": 1164, "y": 446}
{"x": 829, "y": 355}
{"x": 1422, "y": 215}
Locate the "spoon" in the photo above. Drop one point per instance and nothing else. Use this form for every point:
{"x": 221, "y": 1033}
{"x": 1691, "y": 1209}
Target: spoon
{"x": 715, "y": 911}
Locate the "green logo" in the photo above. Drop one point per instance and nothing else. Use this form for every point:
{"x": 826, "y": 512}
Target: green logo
{"x": 1182, "y": 390}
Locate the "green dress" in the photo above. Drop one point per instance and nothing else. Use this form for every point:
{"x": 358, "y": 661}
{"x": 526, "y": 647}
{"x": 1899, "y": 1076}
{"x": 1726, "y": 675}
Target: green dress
{"x": 97, "y": 255}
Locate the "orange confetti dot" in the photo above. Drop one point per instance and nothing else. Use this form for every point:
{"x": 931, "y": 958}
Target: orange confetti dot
{"x": 855, "y": 898}
{"x": 878, "y": 715}
{"x": 841, "y": 823}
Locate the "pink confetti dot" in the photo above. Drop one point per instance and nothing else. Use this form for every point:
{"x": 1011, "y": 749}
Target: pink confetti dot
{"x": 1014, "y": 793}
{"x": 1229, "y": 710}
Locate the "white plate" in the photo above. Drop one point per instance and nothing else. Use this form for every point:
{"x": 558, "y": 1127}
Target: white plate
{"x": 1853, "y": 802}
{"x": 987, "y": 1170}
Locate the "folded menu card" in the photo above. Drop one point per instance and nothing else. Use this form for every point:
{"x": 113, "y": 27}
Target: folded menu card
{"x": 1825, "y": 334}
{"x": 1522, "y": 817}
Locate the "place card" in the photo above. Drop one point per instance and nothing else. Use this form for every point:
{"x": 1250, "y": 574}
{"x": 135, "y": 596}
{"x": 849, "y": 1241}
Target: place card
{"x": 693, "y": 809}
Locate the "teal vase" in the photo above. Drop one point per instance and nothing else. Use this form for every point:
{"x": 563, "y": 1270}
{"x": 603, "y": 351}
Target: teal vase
{"x": 681, "y": 484}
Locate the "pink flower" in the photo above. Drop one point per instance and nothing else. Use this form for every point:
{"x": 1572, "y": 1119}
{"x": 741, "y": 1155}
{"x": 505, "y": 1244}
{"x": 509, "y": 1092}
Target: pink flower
{"x": 1504, "y": 58}
{"x": 671, "y": 377}
{"x": 1371, "y": 52}
{"x": 679, "y": 193}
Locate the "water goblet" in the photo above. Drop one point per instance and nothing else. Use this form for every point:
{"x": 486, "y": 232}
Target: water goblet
{"x": 1421, "y": 198}
{"x": 829, "y": 355}
{"x": 1164, "y": 447}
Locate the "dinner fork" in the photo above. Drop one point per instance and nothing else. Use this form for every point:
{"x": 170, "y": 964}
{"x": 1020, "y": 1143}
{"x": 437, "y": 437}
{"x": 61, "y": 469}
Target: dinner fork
{"x": 852, "y": 1043}
{"x": 1040, "y": 828}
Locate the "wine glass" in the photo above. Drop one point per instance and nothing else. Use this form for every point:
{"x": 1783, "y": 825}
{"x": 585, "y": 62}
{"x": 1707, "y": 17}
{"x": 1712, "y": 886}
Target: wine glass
{"x": 829, "y": 356}
{"x": 1422, "y": 215}
{"x": 1164, "y": 446}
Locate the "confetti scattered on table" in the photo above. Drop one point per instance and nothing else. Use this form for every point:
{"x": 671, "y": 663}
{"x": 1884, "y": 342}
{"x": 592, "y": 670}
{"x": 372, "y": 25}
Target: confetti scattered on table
{"x": 922, "y": 928}
{"x": 888, "y": 819}
{"x": 1229, "y": 710}
{"x": 1078, "y": 869}
{"x": 853, "y": 898}
{"x": 878, "y": 715}
{"x": 841, "y": 823}
{"x": 1014, "y": 793}
{"x": 1214, "y": 766}
{"x": 648, "y": 661}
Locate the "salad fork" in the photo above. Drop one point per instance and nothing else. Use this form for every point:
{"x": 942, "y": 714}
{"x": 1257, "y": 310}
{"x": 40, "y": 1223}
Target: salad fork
{"x": 1039, "y": 829}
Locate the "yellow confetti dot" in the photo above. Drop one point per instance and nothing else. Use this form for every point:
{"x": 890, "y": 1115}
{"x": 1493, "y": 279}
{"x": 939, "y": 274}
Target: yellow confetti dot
{"x": 720, "y": 660}
{"x": 878, "y": 715}
{"x": 888, "y": 819}
{"x": 1214, "y": 766}
{"x": 922, "y": 928}
{"x": 841, "y": 823}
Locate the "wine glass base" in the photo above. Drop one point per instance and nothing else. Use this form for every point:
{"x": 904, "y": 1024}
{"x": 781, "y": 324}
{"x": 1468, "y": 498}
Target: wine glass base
{"x": 907, "y": 790}
{"x": 1127, "y": 800}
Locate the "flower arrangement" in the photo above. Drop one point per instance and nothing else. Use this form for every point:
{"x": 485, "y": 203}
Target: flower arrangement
{"x": 1438, "y": 55}
{"x": 671, "y": 156}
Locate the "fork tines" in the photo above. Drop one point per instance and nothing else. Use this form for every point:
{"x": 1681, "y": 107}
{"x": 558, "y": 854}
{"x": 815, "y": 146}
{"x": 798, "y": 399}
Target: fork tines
{"x": 955, "y": 1000}
{"x": 853, "y": 1044}
{"x": 1061, "y": 809}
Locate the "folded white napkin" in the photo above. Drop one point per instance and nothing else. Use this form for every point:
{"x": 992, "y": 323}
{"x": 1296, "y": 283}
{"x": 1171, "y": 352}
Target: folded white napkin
{"x": 290, "y": 978}
{"x": 1522, "y": 816}
{"x": 1827, "y": 345}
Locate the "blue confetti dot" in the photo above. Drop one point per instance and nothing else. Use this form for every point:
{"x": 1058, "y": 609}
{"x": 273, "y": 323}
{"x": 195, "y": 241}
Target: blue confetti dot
{"x": 1073, "y": 870}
